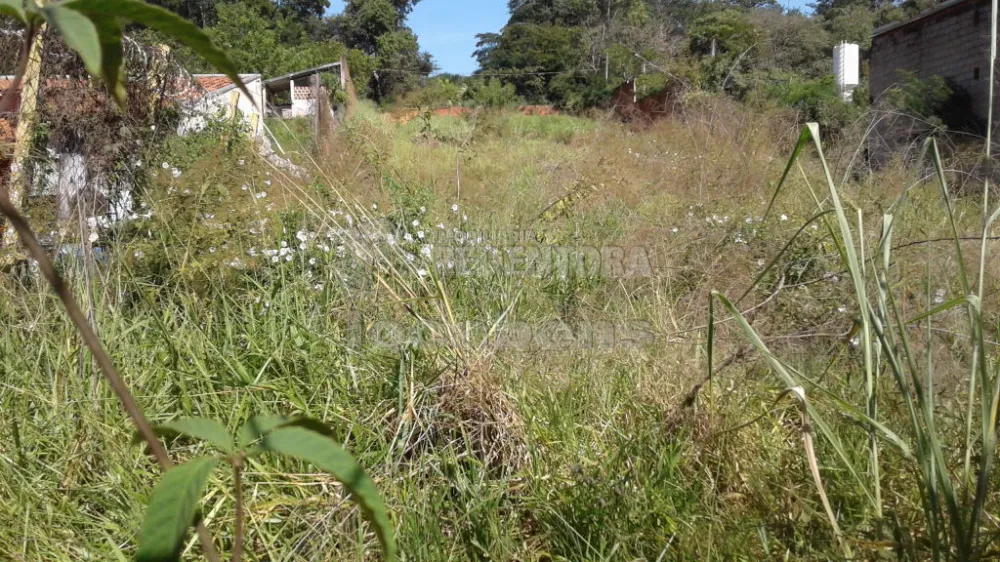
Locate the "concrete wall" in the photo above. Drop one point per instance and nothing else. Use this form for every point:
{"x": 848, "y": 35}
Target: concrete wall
{"x": 302, "y": 97}
{"x": 215, "y": 105}
{"x": 953, "y": 43}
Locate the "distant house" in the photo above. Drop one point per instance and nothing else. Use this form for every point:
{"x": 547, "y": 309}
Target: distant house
{"x": 952, "y": 41}
{"x": 294, "y": 94}
{"x": 200, "y": 97}
{"x": 217, "y": 95}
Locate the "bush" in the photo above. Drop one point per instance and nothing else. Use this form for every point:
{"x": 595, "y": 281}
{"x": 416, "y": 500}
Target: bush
{"x": 494, "y": 93}
{"x": 578, "y": 90}
{"x": 436, "y": 92}
{"x": 816, "y": 100}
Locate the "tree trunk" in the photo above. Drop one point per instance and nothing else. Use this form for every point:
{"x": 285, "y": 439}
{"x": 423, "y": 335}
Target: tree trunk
{"x": 17, "y": 184}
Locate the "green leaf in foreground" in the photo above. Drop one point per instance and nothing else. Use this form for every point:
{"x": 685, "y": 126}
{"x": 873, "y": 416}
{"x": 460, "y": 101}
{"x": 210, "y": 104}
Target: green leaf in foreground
{"x": 172, "y": 510}
{"x": 257, "y": 427}
{"x": 154, "y": 17}
{"x": 79, "y": 33}
{"x": 204, "y": 429}
{"x": 14, "y": 9}
{"x": 300, "y": 442}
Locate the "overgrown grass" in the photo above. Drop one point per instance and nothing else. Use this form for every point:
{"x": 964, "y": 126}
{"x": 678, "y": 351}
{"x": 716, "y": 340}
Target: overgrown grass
{"x": 597, "y": 438}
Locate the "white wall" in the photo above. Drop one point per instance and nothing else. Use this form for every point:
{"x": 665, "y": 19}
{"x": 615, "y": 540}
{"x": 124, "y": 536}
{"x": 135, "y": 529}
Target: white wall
{"x": 215, "y": 105}
{"x": 302, "y": 106}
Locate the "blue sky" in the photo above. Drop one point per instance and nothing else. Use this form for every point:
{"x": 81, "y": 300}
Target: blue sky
{"x": 447, "y": 28}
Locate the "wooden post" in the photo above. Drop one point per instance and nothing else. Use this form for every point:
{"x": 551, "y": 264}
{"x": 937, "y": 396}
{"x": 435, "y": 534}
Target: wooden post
{"x": 17, "y": 185}
{"x": 316, "y": 104}
{"x": 352, "y": 94}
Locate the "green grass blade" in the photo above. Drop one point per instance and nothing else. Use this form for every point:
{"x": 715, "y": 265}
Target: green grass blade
{"x": 787, "y": 379}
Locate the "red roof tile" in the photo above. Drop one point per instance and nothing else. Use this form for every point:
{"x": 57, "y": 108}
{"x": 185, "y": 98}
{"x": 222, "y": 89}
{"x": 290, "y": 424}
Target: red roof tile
{"x": 213, "y": 82}
{"x": 6, "y": 130}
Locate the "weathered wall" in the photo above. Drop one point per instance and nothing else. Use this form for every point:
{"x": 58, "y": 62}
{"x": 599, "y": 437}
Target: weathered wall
{"x": 953, "y": 43}
{"x": 213, "y": 104}
{"x": 303, "y": 103}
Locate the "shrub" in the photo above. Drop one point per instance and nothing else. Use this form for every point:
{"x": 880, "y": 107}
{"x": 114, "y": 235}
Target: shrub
{"x": 815, "y": 100}
{"x": 922, "y": 98}
{"x": 494, "y": 93}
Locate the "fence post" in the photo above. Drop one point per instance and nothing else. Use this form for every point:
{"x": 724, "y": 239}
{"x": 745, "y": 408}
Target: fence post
{"x": 30, "y": 91}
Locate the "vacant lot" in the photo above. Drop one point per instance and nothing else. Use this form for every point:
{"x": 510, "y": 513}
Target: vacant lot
{"x": 505, "y": 318}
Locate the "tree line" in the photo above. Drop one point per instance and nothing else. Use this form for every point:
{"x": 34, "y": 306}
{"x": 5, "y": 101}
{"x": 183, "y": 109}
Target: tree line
{"x": 281, "y": 36}
{"x": 574, "y": 53}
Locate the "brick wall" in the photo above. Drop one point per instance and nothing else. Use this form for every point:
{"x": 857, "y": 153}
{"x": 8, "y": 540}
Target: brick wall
{"x": 953, "y": 43}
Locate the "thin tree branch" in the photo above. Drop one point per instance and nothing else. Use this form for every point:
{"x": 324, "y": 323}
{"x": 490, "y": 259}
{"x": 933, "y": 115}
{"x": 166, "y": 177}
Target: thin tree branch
{"x": 121, "y": 390}
{"x": 238, "y": 527}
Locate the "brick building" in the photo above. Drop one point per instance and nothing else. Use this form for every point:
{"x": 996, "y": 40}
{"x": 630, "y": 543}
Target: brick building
{"x": 951, "y": 40}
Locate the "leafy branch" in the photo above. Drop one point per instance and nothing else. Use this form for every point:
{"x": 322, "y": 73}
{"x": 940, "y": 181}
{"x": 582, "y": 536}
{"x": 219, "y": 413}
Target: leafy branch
{"x": 93, "y": 28}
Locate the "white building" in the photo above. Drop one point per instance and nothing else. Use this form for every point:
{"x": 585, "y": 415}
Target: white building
{"x": 217, "y": 96}
{"x": 301, "y": 88}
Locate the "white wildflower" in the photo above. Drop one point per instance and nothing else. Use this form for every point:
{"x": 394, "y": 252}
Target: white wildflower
{"x": 454, "y": 208}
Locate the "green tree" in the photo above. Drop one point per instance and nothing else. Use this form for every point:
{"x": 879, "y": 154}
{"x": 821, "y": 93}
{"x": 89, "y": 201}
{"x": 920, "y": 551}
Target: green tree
{"x": 248, "y": 36}
{"x": 533, "y": 54}
{"x": 304, "y": 9}
{"x": 570, "y": 13}
{"x": 377, "y": 28}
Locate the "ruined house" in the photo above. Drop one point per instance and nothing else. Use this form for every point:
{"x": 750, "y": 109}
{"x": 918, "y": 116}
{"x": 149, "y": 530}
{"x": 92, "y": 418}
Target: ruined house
{"x": 294, "y": 95}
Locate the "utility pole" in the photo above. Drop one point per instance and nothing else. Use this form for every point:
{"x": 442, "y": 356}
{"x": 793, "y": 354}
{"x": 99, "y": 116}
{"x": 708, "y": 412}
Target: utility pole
{"x": 607, "y": 55}
{"x": 17, "y": 185}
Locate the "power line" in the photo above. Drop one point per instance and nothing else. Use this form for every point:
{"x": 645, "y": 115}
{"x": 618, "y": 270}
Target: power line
{"x": 492, "y": 73}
